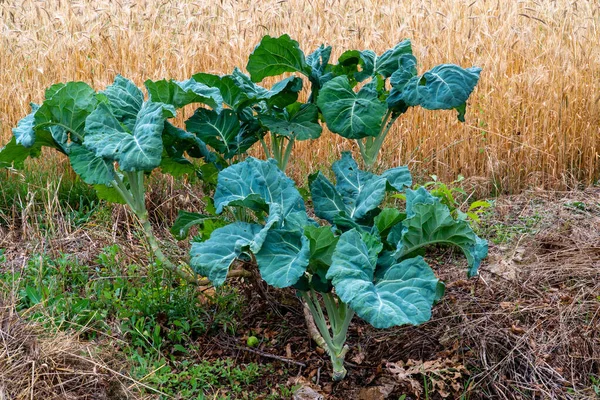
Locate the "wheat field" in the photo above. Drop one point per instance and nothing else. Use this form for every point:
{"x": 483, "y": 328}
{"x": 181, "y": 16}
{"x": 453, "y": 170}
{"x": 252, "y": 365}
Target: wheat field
{"x": 533, "y": 121}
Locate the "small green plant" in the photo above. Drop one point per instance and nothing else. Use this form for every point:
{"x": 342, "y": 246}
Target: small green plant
{"x": 448, "y": 196}
{"x": 366, "y": 260}
{"x": 196, "y": 380}
{"x": 595, "y": 385}
{"x": 507, "y": 232}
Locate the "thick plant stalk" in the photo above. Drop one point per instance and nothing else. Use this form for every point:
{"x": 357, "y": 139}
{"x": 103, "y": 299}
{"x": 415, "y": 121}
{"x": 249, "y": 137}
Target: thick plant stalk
{"x": 312, "y": 329}
{"x": 135, "y": 199}
{"x": 164, "y": 260}
{"x": 340, "y": 316}
{"x": 369, "y": 149}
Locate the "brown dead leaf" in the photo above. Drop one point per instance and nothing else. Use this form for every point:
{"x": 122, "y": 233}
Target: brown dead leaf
{"x": 358, "y": 358}
{"x": 459, "y": 283}
{"x": 306, "y": 390}
{"x": 445, "y": 374}
{"x": 505, "y": 305}
{"x": 517, "y": 330}
{"x": 380, "y": 392}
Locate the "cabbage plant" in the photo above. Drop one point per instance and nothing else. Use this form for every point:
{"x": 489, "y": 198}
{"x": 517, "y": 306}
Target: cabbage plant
{"x": 114, "y": 138}
{"x": 357, "y": 256}
{"x": 363, "y": 94}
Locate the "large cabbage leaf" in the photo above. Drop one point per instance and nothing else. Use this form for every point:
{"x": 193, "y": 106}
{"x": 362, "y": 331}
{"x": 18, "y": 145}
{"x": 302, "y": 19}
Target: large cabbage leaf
{"x": 366, "y": 63}
{"x": 262, "y": 179}
{"x": 404, "y": 294}
{"x": 299, "y": 122}
{"x": 26, "y": 143}
{"x": 125, "y": 100}
{"x": 361, "y": 191}
{"x": 138, "y": 150}
{"x": 60, "y": 119}
{"x": 274, "y": 56}
{"x": 92, "y": 169}
{"x": 176, "y": 141}
{"x": 213, "y": 257}
{"x": 281, "y": 94}
{"x": 220, "y": 130}
{"x": 231, "y": 93}
{"x": 65, "y": 110}
{"x": 356, "y": 192}
{"x": 444, "y": 87}
{"x": 283, "y": 257}
{"x": 179, "y": 94}
{"x": 431, "y": 223}
{"x": 59, "y": 123}
{"x": 318, "y": 61}
{"x": 350, "y": 114}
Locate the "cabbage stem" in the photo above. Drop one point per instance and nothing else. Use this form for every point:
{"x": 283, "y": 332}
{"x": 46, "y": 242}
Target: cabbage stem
{"x": 333, "y": 340}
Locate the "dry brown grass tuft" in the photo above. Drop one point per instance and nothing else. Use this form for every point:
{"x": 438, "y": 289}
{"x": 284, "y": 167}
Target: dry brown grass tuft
{"x": 38, "y": 365}
{"x": 533, "y": 121}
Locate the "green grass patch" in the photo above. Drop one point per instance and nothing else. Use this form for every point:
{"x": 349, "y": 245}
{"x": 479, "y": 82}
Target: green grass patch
{"x": 151, "y": 317}
{"x": 43, "y": 190}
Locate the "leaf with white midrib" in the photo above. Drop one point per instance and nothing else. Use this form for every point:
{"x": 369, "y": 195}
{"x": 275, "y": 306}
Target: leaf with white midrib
{"x": 349, "y": 114}
{"x": 403, "y": 294}
{"x": 283, "y": 257}
{"x": 140, "y": 150}
{"x": 361, "y": 191}
{"x": 261, "y": 178}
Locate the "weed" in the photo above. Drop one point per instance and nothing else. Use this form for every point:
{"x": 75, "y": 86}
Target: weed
{"x": 595, "y": 381}
{"x": 508, "y": 232}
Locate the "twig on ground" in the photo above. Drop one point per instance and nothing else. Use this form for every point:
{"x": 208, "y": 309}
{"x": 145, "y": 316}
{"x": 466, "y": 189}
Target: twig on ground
{"x": 268, "y": 355}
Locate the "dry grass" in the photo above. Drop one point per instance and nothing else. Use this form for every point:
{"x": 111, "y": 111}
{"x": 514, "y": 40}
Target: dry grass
{"x": 37, "y": 365}
{"x": 529, "y": 327}
{"x": 533, "y": 121}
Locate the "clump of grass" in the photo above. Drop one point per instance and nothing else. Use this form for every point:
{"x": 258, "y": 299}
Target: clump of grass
{"x": 36, "y": 364}
{"x": 46, "y": 197}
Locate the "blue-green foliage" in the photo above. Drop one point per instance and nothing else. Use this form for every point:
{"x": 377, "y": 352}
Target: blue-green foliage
{"x": 280, "y": 248}
{"x": 368, "y": 253}
{"x": 388, "y": 85}
{"x": 112, "y": 132}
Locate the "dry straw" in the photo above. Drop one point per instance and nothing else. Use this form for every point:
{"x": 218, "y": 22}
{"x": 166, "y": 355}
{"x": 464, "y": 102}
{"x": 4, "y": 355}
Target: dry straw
{"x": 534, "y": 119}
